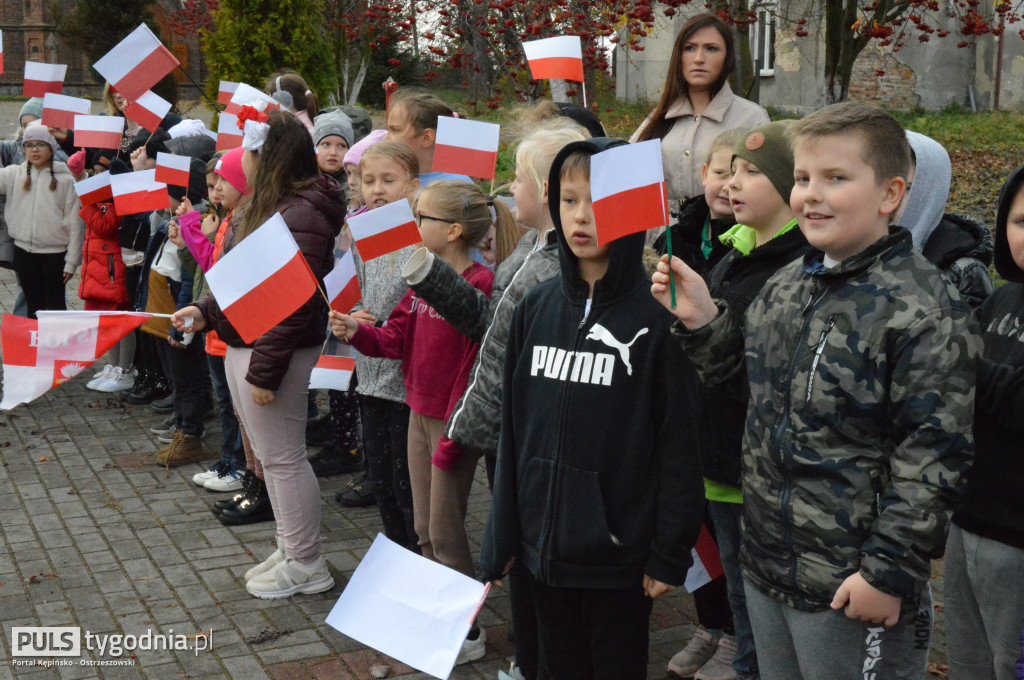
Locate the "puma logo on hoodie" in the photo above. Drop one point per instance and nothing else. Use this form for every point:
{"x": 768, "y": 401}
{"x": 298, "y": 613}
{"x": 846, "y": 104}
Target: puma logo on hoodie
{"x": 595, "y": 368}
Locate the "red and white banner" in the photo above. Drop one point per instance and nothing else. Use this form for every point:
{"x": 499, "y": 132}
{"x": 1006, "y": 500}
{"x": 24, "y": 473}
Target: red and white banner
{"x": 262, "y": 280}
{"x": 59, "y": 110}
{"x": 466, "y": 147}
{"x": 228, "y": 135}
{"x": 560, "y": 57}
{"x": 224, "y": 91}
{"x": 172, "y": 169}
{"x": 247, "y": 95}
{"x": 94, "y": 189}
{"x": 627, "y": 186}
{"x": 384, "y": 230}
{"x": 148, "y": 110}
{"x": 43, "y": 78}
{"x": 342, "y": 284}
{"x": 39, "y": 355}
{"x": 332, "y": 373}
{"x": 136, "y": 64}
{"x": 138, "y": 191}
{"x": 1, "y": 51}
{"x": 98, "y": 132}
{"x": 707, "y": 564}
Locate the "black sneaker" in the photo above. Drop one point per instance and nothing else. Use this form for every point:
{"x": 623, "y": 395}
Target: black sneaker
{"x": 255, "y": 507}
{"x": 165, "y": 405}
{"x": 142, "y": 392}
{"x": 360, "y": 495}
{"x": 248, "y": 480}
{"x": 331, "y": 461}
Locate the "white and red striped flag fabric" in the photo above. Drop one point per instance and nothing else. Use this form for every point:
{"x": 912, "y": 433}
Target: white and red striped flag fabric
{"x": 247, "y": 95}
{"x": 148, "y": 110}
{"x": 172, "y": 169}
{"x": 384, "y": 230}
{"x": 1, "y": 51}
{"x": 342, "y": 284}
{"x": 228, "y": 135}
{"x": 136, "y": 64}
{"x": 707, "y": 564}
{"x": 332, "y": 373}
{"x": 262, "y": 280}
{"x": 560, "y": 57}
{"x": 94, "y": 189}
{"x": 43, "y": 78}
{"x": 224, "y": 91}
{"x": 138, "y": 191}
{"x": 39, "y": 355}
{"x": 98, "y": 132}
{"x": 59, "y": 110}
{"x": 466, "y": 147}
{"x": 627, "y": 186}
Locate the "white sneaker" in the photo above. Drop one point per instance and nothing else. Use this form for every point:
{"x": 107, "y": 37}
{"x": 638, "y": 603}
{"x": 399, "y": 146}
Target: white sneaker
{"x": 266, "y": 565}
{"x": 291, "y": 577}
{"x": 473, "y": 649}
{"x": 118, "y": 381}
{"x": 100, "y": 376}
{"x": 201, "y": 478}
{"x": 231, "y": 481}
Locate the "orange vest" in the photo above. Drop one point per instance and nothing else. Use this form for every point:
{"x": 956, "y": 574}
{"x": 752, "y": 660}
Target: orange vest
{"x": 214, "y": 346}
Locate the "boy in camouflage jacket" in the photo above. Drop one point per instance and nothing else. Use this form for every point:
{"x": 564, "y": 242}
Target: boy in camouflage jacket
{"x": 861, "y": 362}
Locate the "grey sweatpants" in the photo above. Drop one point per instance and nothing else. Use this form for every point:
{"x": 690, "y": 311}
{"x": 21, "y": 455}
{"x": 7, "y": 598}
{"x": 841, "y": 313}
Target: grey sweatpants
{"x": 796, "y": 645}
{"x": 984, "y": 606}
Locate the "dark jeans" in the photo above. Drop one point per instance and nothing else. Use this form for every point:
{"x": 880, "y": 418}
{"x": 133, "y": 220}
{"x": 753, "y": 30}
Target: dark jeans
{"x": 726, "y": 517}
{"x": 524, "y": 621}
{"x": 711, "y": 600}
{"x": 590, "y": 634}
{"x": 344, "y": 416}
{"x": 187, "y": 370}
{"x": 231, "y": 452}
{"x": 385, "y": 445}
{"x": 41, "y": 277}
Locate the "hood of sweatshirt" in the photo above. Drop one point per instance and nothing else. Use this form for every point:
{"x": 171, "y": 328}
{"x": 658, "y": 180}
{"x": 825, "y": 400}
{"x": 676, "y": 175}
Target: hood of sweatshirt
{"x": 926, "y": 200}
{"x": 1005, "y": 265}
{"x": 958, "y": 236}
{"x": 625, "y": 260}
{"x": 328, "y": 197}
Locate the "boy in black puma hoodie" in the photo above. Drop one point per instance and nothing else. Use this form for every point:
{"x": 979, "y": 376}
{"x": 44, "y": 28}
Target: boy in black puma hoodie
{"x": 598, "y": 492}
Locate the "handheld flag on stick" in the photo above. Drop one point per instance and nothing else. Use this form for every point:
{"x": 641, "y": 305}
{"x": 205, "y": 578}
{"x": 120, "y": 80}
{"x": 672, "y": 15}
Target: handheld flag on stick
{"x": 172, "y": 169}
{"x": 98, "y": 132}
{"x": 1, "y": 51}
{"x": 224, "y": 91}
{"x": 468, "y": 147}
{"x": 138, "y": 191}
{"x": 94, "y": 189}
{"x": 59, "y": 110}
{"x": 228, "y": 135}
{"x": 148, "y": 110}
{"x": 384, "y": 230}
{"x": 43, "y": 78}
{"x": 560, "y": 57}
{"x": 136, "y": 64}
{"x": 342, "y": 285}
{"x": 332, "y": 373}
{"x": 247, "y": 95}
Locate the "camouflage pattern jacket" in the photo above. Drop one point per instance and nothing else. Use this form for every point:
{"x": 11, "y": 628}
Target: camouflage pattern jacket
{"x": 858, "y": 431}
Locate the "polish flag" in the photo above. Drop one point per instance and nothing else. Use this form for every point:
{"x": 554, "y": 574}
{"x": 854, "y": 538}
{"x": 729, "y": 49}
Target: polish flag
{"x": 384, "y": 230}
{"x": 43, "y": 78}
{"x": 262, "y": 280}
{"x": 466, "y": 147}
{"x": 136, "y": 64}
{"x": 98, "y": 132}
{"x": 148, "y": 110}
{"x": 172, "y": 169}
{"x": 560, "y": 57}
{"x": 138, "y": 191}
{"x": 59, "y": 110}
{"x": 342, "y": 284}
{"x": 228, "y": 135}
{"x": 627, "y": 185}
{"x": 225, "y": 90}
{"x": 1, "y": 51}
{"x": 39, "y": 355}
{"x": 332, "y": 373}
{"x": 707, "y": 564}
{"x": 247, "y": 95}
{"x": 94, "y": 189}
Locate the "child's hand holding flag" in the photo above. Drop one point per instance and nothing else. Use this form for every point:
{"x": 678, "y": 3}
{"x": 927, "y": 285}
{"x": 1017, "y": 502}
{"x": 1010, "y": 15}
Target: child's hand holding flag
{"x": 693, "y": 306}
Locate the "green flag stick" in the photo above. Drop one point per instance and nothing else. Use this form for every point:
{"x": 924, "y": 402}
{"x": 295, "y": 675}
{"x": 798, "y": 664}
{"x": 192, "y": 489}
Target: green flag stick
{"x": 671, "y": 275}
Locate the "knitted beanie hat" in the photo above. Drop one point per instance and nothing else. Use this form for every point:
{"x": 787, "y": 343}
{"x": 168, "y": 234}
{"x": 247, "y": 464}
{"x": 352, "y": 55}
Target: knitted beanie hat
{"x": 32, "y": 107}
{"x": 362, "y": 124}
{"x": 355, "y": 154}
{"x": 230, "y": 168}
{"x": 37, "y": 132}
{"x": 766, "y": 147}
{"x": 332, "y": 123}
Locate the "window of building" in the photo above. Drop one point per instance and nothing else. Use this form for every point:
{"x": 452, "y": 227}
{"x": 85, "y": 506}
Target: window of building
{"x": 762, "y": 37}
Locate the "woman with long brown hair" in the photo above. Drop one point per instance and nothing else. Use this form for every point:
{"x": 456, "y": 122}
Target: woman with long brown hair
{"x": 269, "y": 379}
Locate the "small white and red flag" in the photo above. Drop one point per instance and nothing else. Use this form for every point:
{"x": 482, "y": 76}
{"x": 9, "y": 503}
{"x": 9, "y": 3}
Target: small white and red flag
{"x": 228, "y": 135}
{"x": 262, "y": 280}
{"x": 224, "y": 91}
{"x": 94, "y": 189}
{"x": 342, "y": 284}
{"x": 707, "y": 563}
{"x": 98, "y": 132}
{"x": 560, "y": 57}
{"x": 39, "y": 355}
{"x": 627, "y": 186}
{"x": 43, "y": 78}
{"x": 138, "y": 191}
{"x": 247, "y": 95}
{"x": 384, "y": 230}
{"x": 59, "y": 110}
{"x": 1, "y": 51}
{"x": 148, "y": 110}
{"x": 136, "y": 64}
{"x": 466, "y": 147}
{"x": 172, "y": 169}
{"x": 332, "y": 373}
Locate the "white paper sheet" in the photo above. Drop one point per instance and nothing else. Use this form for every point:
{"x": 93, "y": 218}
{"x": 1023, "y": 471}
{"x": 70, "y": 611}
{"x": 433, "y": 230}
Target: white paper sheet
{"x": 408, "y": 607}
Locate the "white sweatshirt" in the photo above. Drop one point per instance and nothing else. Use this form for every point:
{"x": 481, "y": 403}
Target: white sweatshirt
{"x": 40, "y": 220}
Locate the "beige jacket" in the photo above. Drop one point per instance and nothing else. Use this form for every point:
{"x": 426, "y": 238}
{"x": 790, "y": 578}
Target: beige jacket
{"x": 40, "y": 220}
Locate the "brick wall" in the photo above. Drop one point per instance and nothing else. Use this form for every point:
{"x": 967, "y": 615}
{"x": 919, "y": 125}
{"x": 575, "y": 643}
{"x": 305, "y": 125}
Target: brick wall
{"x": 893, "y": 90}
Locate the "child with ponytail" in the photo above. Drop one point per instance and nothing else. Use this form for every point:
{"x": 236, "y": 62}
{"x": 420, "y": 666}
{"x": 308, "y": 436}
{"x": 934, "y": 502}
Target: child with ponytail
{"x": 290, "y": 90}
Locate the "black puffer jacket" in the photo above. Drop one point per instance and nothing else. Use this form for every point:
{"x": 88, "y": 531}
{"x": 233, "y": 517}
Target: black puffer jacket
{"x": 961, "y": 247}
{"x": 686, "y": 236}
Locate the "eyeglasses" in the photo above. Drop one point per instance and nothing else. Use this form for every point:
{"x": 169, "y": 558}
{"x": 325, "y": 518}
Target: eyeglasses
{"x": 36, "y": 146}
{"x": 420, "y": 217}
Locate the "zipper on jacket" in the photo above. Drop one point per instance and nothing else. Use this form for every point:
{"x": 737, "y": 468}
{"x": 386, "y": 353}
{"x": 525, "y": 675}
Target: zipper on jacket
{"x": 876, "y": 486}
{"x": 110, "y": 267}
{"x": 829, "y": 325}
